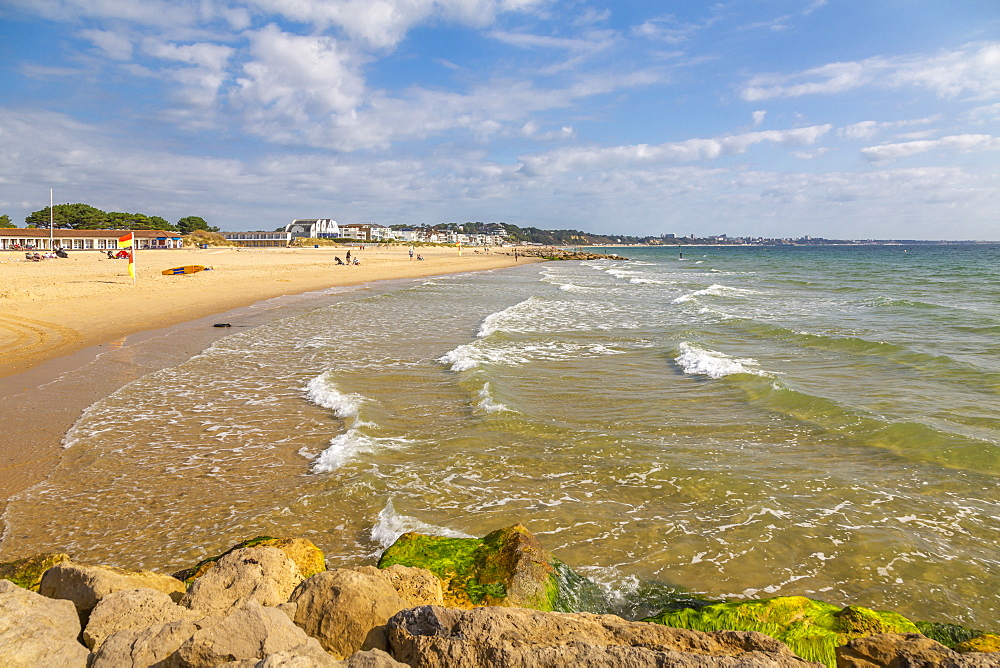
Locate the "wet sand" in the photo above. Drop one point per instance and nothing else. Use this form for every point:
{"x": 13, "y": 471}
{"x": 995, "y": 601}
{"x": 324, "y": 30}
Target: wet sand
{"x": 74, "y": 330}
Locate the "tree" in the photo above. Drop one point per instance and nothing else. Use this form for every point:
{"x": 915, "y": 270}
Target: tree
{"x": 70, "y": 217}
{"x": 5, "y": 221}
{"x": 189, "y": 224}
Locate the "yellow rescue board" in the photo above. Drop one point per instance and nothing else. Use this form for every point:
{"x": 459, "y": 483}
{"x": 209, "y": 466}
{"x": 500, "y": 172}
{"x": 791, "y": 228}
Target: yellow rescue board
{"x": 190, "y": 269}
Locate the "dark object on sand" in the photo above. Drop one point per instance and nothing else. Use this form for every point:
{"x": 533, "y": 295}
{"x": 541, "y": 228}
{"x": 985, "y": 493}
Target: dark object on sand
{"x": 61, "y": 253}
{"x": 222, "y": 324}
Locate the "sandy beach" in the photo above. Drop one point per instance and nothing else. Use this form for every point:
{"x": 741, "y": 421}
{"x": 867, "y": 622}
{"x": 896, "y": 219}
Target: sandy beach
{"x": 58, "y": 314}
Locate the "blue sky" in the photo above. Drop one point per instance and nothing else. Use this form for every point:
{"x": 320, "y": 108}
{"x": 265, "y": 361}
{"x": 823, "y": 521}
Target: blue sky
{"x": 834, "y": 118}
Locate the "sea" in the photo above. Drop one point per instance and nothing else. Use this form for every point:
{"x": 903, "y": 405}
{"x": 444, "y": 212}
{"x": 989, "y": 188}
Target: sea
{"x": 728, "y": 422}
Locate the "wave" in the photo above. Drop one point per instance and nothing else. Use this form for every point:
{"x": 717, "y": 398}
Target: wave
{"x": 715, "y": 290}
{"x": 570, "y": 287}
{"x": 487, "y": 403}
{"x": 322, "y": 393}
{"x": 345, "y": 447}
{"x": 910, "y": 439}
{"x": 472, "y": 355}
{"x": 696, "y": 361}
{"x": 391, "y": 525}
{"x": 511, "y": 317}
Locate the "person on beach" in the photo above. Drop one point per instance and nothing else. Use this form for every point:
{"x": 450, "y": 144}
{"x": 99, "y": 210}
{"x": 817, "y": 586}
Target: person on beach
{"x": 337, "y": 258}
{"x": 348, "y": 257}
{"x": 411, "y": 252}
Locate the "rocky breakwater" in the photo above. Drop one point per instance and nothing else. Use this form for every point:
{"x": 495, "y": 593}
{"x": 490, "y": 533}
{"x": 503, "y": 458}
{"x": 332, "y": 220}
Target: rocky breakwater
{"x": 431, "y": 601}
{"x": 555, "y": 253}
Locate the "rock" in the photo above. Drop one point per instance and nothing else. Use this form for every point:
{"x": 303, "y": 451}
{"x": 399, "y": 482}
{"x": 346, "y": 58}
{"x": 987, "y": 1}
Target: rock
{"x": 507, "y": 567}
{"x": 307, "y": 557}
{"x": 28, "y": 572}
{"x": 373, "y": 658}
{"x": 896, "y": 650}
{"x": 260, "y": 574}
{"x": 432, "y": 636}
{"x": 812, "y": 629}
{"x": 418, "y": 586}
{"x": 988, "y": 642}
{"x": 346, "y": 610}
{"x": 152, "y": 646}
{"x": 38, "y": 631}
{"x": 249, "y": 631}
{"x": 86, "y": 585}
{"x": 132, "y": 609}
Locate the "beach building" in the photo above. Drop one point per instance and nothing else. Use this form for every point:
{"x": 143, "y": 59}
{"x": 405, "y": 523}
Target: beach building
{"x": 38, "y": 239}
{"x": 372, "y": 232}
{"x": 279, "y": 238}
{"x": 314, "y": 228}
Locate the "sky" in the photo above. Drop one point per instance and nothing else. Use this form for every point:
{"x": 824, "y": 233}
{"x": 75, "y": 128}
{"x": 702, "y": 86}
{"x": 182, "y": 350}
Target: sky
{"x": 776, "y": 118}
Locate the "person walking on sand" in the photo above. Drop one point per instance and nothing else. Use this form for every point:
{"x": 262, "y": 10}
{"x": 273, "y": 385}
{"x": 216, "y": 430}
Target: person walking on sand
{"x": 348, "y": 257}
{"x": 411, "y": 252}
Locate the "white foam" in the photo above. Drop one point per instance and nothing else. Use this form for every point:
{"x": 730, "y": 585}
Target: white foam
{"x": 570, "y": 287}
{"x": 462, "y": 358}
{"x": 345, "y": 447}
{"x": 487, "y": 403}
{"x": 715, "y": 290}
{"x": 391, "y": 525}
{"x": 511, "y": 317}
{"x": 322, "y": 392}
{"x": 697, "y": 361}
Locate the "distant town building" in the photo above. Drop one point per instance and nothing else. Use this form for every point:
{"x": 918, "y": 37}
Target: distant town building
{"x": 15, "y": 238}
{"x": 259, "y": 239}
{"x": 314, "y": 228}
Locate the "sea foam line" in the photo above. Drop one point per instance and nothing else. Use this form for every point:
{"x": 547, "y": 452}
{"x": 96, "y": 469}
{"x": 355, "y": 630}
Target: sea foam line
{"x": 715, "y": 290}
{"x": 511, "y": 315}
{"x": 391, "y": 525}
{"x": 697, "y": 361}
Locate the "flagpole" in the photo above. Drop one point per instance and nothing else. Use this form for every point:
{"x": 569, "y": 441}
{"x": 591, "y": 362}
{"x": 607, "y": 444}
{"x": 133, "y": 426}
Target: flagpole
{"x": 51, "y": 217}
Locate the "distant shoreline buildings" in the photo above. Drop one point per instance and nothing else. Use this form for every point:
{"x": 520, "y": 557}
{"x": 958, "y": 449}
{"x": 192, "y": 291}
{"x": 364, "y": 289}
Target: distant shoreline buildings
{"x": 327, "y": 228}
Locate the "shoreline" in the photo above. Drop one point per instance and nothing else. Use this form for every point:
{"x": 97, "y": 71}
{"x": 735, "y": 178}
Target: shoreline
{"x": 71, "y": 350}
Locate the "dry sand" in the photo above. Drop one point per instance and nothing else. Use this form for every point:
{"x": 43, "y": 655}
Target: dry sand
{"x": 56, "y": 306}
{"x": 58, "y": 314}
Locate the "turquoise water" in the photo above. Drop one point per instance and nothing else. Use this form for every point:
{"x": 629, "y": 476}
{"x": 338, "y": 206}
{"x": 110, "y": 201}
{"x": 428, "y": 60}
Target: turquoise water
{"x": 742, "y": 422}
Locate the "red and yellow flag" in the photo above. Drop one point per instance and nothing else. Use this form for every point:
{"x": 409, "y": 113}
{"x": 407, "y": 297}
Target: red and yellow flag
{"x": 125, "y": 241}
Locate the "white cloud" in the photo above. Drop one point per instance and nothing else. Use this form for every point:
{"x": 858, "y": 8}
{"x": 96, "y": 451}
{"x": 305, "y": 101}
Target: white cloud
{"x": 297, "y": 80}
{"x": 758, "y": 118}
{"x": 382, "y": 24}
{"x": 866, "y": 130}
{"x": 115, "y": 45}
{"x": 691, "y": 150}
{"x": 971, "y": 70}
{"x": 952, "y": 144}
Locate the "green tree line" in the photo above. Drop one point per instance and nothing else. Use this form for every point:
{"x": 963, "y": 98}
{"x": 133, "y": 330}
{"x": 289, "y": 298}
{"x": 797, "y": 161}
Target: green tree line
{"x": 86, "y": 217}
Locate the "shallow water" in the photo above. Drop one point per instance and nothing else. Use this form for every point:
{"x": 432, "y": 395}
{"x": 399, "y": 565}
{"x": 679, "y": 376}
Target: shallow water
{"x": 745, "y": 422}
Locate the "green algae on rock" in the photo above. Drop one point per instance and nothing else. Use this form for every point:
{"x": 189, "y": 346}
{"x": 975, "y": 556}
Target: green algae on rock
{"x": 307, "y": 557}
{"x": 812, "y": 629}
{"x": 988, "y": 642}
{"x": 27, "y": 573}
{"x": 507, "y": 567}
{"x": 949, "y": 635}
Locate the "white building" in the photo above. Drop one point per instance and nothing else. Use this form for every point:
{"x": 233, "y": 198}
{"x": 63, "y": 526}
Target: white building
{"x": 314, "y": 228}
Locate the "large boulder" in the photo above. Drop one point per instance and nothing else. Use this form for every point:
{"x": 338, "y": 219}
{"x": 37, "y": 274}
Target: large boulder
{"x": 895, "y": 650}
{"x": 812, "y": 629}
{"x": 38, "y": 631}
{"x": 346, "y": 610}
{"x": 432, "y": 636}
{"x": 250, "y": 631}
{"x": 132, "y": 609}
{"x": 86, "y": 585}
{"x": 417, "y": 586}
{"x": 507, "y": 567}
{"x": 28, "y": 572}
{"x": 152, "y": 646}
{"x": 260, "y": 574}
{"x": 307, "y": 557}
